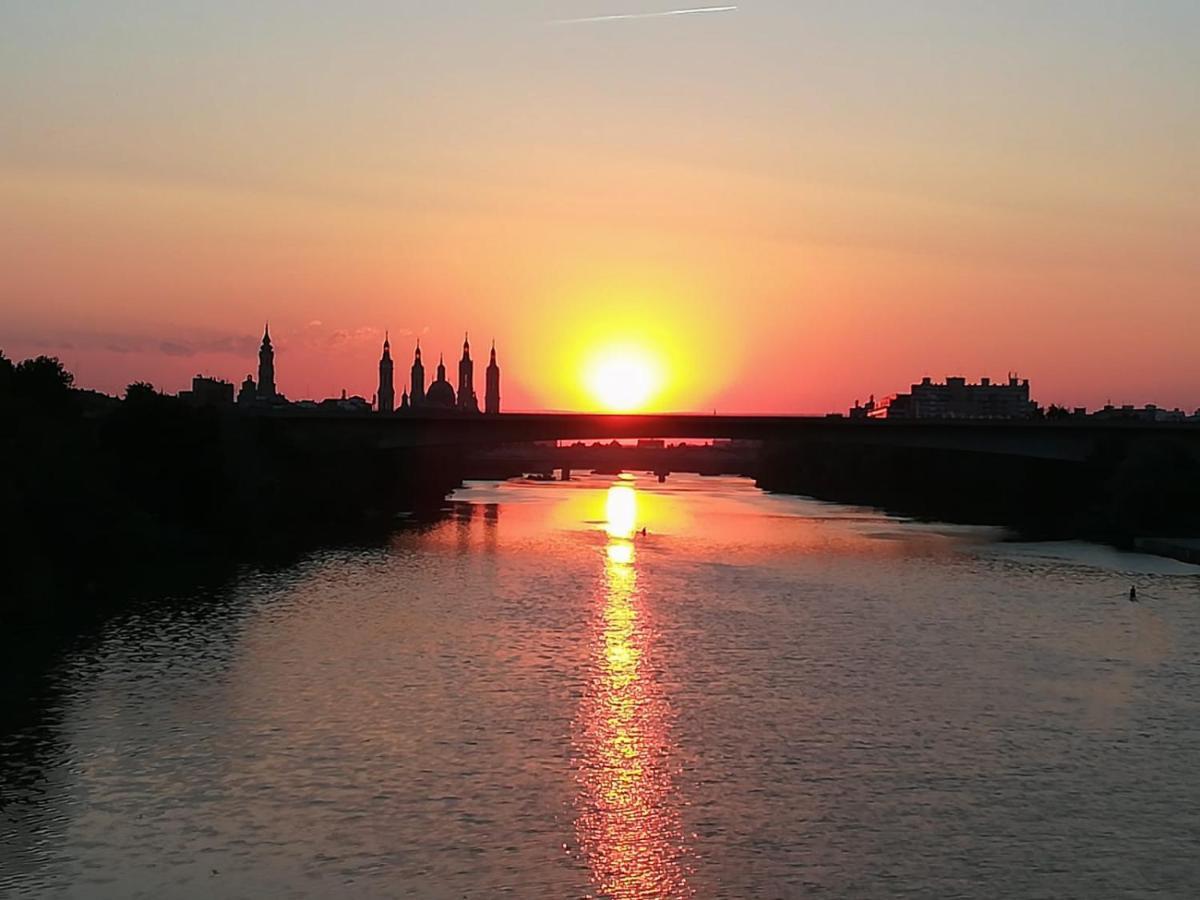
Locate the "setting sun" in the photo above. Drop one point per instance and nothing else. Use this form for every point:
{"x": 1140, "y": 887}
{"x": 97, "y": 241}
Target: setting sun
{"x": 623, "y": 379}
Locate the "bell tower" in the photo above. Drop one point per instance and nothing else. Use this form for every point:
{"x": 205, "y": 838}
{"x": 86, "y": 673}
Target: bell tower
{"x": 387, "y": 388}
{"x": 266, "y": 366}
{"x": 491, "y": 397}
{"x": 416, "y": 394}
{"x": 466, "y": 380}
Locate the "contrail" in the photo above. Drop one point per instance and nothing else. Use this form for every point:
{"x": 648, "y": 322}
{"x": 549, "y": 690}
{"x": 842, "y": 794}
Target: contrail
{"x": 649, "y": 15}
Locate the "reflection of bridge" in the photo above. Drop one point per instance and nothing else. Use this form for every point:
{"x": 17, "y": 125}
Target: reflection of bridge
{"x": 1053, "y": 439}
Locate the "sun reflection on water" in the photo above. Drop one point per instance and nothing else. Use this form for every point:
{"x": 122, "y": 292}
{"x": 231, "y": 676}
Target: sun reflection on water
{"x": 628, "y": 821}
{"x": 621, "y": 511}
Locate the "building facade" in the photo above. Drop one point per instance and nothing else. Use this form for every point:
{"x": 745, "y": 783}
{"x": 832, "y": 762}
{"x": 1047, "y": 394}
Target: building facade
{"x": 209, "y": 392}
{"x": 248, "y": 392}
{"x": 955, "y": 398}
{"x": 1147, "y": 413}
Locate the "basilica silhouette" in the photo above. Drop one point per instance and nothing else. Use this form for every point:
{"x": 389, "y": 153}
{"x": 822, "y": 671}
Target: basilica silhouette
{"x": 440, "y": 396}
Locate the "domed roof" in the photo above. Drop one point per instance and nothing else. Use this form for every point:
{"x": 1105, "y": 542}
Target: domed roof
{"x": 440, "y": 394}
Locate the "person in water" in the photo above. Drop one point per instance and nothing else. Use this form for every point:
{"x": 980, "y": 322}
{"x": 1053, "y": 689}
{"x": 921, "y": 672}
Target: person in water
{"x": 1133, "y": 594}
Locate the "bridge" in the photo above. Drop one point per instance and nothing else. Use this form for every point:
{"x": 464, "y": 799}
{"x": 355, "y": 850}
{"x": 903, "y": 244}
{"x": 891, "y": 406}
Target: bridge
{"x": 1063, "y": 439}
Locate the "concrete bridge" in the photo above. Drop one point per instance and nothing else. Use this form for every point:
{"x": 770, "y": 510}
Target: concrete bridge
{"x": 1068, "y": 439}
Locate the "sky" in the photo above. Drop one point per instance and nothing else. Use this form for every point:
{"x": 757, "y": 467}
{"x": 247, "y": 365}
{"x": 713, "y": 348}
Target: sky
{"x": 783, "y": 207}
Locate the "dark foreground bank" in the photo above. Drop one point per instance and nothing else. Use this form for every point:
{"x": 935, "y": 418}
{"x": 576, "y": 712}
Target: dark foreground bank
{"x": 1124, "y": 492}
{"x": 103, "y": 494}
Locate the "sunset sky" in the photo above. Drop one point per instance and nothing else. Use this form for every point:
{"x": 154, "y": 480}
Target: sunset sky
{"x": 784, "y": 207}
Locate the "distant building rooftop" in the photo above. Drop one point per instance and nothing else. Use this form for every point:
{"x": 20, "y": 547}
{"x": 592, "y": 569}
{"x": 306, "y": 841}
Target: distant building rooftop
{"x": 955, "y": 398}
{"x": 208, "y": 391}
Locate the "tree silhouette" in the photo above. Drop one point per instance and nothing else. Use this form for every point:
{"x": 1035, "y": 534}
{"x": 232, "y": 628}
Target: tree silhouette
{"x": 6, "y": 375}
{"x": 43, "y": 380}
{"x": 140, "y": 392}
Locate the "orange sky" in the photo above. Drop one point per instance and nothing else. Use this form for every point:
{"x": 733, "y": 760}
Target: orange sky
{"x": 791, "y": 206}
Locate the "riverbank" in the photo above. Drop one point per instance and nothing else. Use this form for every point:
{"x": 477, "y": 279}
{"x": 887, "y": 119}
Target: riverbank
{"x": 1183, "y": 549}
{"x": 100, "y": 493}
{"x": 1150, "y": 494}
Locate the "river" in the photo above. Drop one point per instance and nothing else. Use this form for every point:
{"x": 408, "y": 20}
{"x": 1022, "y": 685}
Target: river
{"x": 761, "y": 696}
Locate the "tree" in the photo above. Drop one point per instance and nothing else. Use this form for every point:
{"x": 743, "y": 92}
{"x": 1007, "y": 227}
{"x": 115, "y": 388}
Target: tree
{"x": 140, "y": 392}
{"x": 43, "y": 380}
{"x": 6, "y": 374}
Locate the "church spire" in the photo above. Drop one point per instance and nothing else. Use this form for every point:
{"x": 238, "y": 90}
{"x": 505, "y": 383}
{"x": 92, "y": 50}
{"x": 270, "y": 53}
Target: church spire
{"x": 266, "y": 366}
{"x": 491, "y": 396}
{"x": 417, "y": 395}
{"x": 386, "y": 395}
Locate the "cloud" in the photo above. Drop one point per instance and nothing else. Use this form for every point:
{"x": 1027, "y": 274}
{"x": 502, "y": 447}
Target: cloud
{"x": 185, "y": 344}
{"x": 698, "y": 10}
{"x": 171, "y": 348}
{"x": 342, "y": 336}
{"x": 109, "y": 342}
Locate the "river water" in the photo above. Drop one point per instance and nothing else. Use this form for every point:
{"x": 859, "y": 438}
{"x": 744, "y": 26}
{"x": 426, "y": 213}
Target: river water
{"x": 761, "y": 696}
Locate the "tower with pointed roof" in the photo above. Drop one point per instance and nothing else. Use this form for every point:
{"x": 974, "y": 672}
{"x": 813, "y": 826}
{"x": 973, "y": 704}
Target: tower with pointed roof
{"x": 491, "y": 396}
{"x": 266, "y": 367}
{"x": 387, "y": 388}
{"x": 466, "y": 380}
{"x": 416, "y": 394}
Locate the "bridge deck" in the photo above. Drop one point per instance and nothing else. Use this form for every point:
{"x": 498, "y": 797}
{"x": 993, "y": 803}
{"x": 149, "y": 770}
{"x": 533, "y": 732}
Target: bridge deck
{"x": 1072, "y": 439}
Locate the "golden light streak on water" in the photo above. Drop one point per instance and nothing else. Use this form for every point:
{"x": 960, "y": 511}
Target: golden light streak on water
{"x": 628, "y": 822}
{"x": 621, "y": 511}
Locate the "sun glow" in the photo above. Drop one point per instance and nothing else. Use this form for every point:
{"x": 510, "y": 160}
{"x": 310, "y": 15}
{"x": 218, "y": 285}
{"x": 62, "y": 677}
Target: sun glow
{"x": 623, "y": 379}
{"x": 619, "y": 337}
